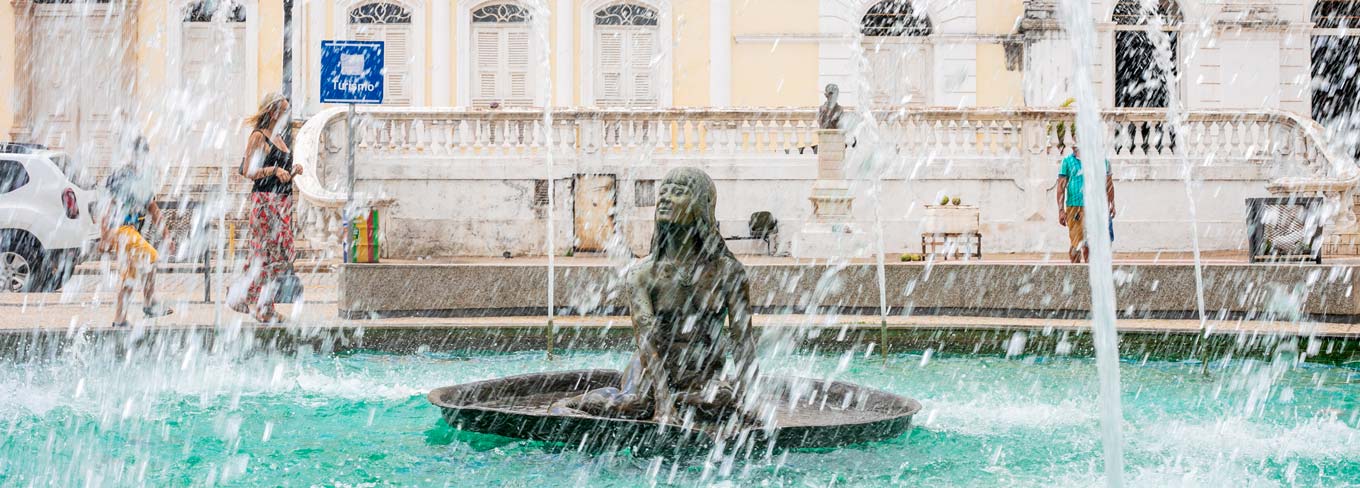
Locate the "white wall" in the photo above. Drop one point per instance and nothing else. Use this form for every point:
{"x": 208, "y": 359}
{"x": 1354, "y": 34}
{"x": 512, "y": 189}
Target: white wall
{"x": 483, "y": 207}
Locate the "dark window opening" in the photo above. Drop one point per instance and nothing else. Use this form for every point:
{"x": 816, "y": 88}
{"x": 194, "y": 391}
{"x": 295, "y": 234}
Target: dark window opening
{"x": 1336, "y": 86}
{"x": 894, "y": 18}
{"x": 1336, "y": 83}
{"x": 1139, "y": 82}
{"x": 1336, "y": 14}
{"x": 204, "y": 10}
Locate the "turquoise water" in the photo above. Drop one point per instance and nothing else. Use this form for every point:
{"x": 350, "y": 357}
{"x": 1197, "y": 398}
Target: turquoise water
{"x": 361, "y": 419}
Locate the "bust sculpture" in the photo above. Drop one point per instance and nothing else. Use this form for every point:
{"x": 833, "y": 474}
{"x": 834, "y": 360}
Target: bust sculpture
{"x": 829, "y": 114}
{"x": 690, "y": 307}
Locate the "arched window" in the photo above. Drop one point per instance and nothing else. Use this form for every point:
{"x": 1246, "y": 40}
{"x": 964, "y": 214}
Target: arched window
{"x": 894, "y": 18}
{"x": 626, "y": 14}
{"x": 215, "y": 69}
{"x": 1138, "y": 81}
{"x": 390, "y": 23}
{"x": 502, "y": 13}
{"x": 626, "y": 64}
{"x": 501, "y": 56}
{"x": 379, "y": 13}
{"x": 898, "y": 53}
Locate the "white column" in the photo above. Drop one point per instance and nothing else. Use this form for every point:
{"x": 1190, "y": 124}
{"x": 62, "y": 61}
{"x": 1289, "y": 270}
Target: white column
{"x": 443, "y": 49}
{"x": 299, "y": 66}
{"x": 836, "y": 59}
{"x": 315, "y": 32}
{"x": 562, "y": 78}
{"x": 720, "y": 53}
{"x": 464, "y": 61}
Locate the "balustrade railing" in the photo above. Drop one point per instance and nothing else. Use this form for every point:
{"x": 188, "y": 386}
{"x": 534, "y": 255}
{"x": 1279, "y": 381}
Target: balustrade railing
{"x": 1203, "y": 138}
{"x": 516, "y": 132}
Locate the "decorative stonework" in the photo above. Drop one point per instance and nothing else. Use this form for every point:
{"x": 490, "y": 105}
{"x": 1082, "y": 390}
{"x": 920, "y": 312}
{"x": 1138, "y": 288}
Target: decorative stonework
{"x": 1039, "y": 16}
{"x": 1250, "y": 16}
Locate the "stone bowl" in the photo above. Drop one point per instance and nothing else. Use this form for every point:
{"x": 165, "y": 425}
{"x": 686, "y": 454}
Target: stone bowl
{"x": 827, "y": 414}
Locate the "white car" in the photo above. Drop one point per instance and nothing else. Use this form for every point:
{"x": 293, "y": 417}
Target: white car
{"x": 47, "y": 221}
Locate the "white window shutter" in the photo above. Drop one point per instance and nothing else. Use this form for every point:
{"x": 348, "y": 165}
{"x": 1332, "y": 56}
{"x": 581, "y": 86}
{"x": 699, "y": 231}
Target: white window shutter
{"x": 502, "y": 66}
{"x": 486, "y": 65}
{"x": 609, "y": 67}
{"x": 641, "y": 49}
{"x": 880, "y": 72}
{"x": 197, "y": 50}
{"x": 396, "y": 59}
{"x": 97, "y": 125}
{"x": 518, "y": 86}
{"x": 625, "y": 74}
{"x": 897, "y": 72}
{"x": 397, "y": 65}
{"x": 213, "y": 61}
{"x": 366, "y": 33}
{"x": 241, "y": 99}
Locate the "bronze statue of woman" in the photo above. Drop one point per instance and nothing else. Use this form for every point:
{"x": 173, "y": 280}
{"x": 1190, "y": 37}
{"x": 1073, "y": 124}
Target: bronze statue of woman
{"x": 690, "y": 305}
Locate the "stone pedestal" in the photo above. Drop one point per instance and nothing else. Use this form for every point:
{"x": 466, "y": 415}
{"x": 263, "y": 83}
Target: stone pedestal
{"x": 830, "y": 233}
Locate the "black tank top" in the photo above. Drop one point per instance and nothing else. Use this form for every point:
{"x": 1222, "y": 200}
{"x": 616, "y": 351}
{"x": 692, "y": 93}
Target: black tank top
{"x": 274, "y": 158}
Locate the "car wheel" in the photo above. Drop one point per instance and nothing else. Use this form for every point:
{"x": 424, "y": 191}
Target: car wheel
{"x": 22, "y": 264}
{"x": 19, "y": 269}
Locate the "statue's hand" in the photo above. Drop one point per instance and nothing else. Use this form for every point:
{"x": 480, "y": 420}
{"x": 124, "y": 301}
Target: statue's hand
{"x": 712, "y": 403}
{"x": 645, "y": 321}
{"x": 663, "y": 410}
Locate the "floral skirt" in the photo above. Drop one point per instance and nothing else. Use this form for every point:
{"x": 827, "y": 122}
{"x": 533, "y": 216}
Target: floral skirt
{"x": 271, "y": 246}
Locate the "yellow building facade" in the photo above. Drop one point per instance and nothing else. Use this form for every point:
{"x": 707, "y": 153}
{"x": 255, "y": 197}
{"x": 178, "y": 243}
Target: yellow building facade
{"x": 74, "y": 70}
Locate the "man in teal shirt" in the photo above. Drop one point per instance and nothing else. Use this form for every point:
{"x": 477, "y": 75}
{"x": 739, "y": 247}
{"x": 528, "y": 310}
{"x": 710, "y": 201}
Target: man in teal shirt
{"x": 1072, "y": 204}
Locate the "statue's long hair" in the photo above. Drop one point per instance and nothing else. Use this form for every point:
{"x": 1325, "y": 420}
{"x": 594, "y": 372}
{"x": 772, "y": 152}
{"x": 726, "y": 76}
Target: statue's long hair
{"x": 703, "y": 234}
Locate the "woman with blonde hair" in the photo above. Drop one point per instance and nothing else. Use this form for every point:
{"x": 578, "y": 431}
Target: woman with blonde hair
{"x": 268, "y": 163}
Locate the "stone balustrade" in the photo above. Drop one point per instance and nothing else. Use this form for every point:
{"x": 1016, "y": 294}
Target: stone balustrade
{"x": 1132, "y": 132}
{"x": 1262, "y": 149}
{"x": 514, "y": 132}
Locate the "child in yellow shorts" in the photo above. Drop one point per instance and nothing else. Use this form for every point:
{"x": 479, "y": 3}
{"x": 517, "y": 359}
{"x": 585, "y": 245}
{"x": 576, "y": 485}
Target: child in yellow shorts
{"x": 132, "y": 199}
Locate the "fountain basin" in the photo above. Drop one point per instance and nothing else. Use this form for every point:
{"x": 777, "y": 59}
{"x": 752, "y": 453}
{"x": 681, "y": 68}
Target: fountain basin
{"x": 829, "y": 414}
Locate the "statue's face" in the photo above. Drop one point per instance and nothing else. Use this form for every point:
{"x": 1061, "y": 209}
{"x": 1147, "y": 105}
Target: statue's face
{"x": 675, "y": 203}
{"x": 832, "y": 93}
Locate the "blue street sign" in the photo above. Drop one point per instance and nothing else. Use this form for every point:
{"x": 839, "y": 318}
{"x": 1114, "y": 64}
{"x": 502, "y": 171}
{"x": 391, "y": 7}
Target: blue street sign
{"x": 351, "y": 72}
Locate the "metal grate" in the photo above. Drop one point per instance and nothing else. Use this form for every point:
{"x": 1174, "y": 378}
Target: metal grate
{"x": 1285, "y": 228}
{"x": 644, "y": 193}
{"x": 193, "y": 235}
{"x": 540, "y": 193}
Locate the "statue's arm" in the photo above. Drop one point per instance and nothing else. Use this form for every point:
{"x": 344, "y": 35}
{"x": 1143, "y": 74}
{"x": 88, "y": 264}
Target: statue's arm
{"x": 641, "y": 312}
{"x": 644, "y": 326}
{"x": 741, "y": 331}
